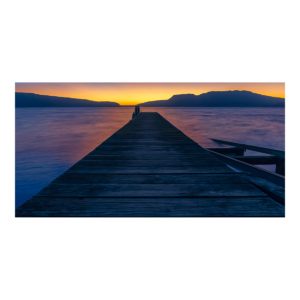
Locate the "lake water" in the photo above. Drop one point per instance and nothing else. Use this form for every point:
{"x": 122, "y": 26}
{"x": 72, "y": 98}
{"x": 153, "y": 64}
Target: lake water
{"x": 51, "y": 140}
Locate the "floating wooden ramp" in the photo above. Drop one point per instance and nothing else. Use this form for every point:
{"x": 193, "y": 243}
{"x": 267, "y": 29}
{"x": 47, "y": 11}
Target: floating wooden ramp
{"x": 150, "y": 169}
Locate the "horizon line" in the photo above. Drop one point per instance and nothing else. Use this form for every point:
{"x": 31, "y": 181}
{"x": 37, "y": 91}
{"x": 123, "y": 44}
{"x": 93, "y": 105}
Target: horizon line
{"x": 149, "y": 100}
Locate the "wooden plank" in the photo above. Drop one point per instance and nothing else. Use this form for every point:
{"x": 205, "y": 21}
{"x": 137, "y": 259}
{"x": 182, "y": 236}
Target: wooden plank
{"x": 143, "y": 138}
{"x": 149, "y": 135}
{"x": 165, "y": 147}
{"x": 144, "y": 131}
{"x": 151, "y": 170}
{"x": 78, "y": 178}
{"x": 149, "y": 163}
{"x": 149, "y": 190}
{"x": 156, "y": 137}
{"x": 111, "y": 142}
{"x": 162, "y": 140}
{"x": 253, "y": 148}
{"x": 149, "y": 130}
{"x": 151, "y": 207}
{"x": 143, "y": 152}
{"x": 175, "y": 157}
{"x": 274, "y": 191}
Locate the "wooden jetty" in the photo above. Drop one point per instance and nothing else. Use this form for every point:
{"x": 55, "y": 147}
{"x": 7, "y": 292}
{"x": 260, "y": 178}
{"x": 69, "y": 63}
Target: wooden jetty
{"x": 149, "y": 168}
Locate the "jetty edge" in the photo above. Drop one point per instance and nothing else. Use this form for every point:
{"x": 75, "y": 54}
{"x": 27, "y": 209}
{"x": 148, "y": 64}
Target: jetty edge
{"x": 149, "y": 168}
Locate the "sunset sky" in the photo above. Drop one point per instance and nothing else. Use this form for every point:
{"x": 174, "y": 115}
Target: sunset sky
{"x": 134, "y": 93}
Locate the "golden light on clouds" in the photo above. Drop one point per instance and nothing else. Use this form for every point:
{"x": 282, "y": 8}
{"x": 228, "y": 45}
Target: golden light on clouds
{"x": 134, "y": 93}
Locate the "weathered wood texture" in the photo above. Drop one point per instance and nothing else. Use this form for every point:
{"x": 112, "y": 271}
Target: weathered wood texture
{"x": 273, "y": 190}
{"x": 150, "y": 207}
{"x": 150, "y": 169}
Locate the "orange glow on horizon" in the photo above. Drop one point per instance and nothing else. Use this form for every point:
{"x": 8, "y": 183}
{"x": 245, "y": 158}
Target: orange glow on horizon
{"x": 135, "y": 93}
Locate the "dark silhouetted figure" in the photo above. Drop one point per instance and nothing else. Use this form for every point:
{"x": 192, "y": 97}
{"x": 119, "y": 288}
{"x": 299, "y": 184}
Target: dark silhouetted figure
{"x": 136, "y": 111}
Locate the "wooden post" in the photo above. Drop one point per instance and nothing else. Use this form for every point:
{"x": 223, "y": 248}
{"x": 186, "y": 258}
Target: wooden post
{"x": 240, "y": 151}
{"x": 280, "y": 166}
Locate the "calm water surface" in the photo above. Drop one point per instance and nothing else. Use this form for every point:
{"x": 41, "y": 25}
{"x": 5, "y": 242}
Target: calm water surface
{"x": 51, "y": 140}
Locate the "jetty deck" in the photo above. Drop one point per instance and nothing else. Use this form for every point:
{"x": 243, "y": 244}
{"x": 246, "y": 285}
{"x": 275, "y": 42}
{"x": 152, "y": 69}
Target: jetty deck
{"x": 149, "y": 168}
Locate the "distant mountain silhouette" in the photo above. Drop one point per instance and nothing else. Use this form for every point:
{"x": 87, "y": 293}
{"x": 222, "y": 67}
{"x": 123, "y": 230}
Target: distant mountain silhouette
{"x": 219, "y": 99}
{"x": 35, "y": 100}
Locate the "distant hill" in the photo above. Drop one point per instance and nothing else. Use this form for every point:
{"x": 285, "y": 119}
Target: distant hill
{"x": 219, "y": 99}
{"x": 35, "y": 100}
